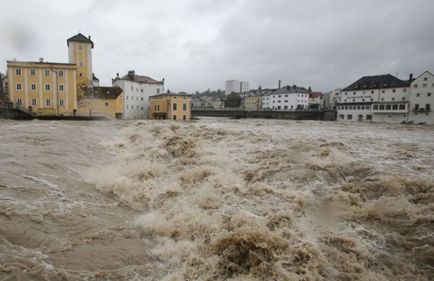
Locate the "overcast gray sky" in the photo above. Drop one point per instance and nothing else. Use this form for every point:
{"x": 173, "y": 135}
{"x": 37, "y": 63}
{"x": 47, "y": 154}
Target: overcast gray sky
{"x": 198, "y": 44}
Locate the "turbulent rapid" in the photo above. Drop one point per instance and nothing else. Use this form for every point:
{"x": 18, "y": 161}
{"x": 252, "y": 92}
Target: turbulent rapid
{"x": 216, "y": 199}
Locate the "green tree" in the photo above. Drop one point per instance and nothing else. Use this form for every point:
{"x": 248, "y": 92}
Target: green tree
{"x": 233, "y": 101}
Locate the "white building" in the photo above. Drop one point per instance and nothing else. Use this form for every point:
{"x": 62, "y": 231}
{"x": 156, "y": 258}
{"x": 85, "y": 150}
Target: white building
{"x": 236, "y": 86}
{"x": 422, "y": 99}
{"x": 286, "y": 99}
{"x": 380, "y": 98}
{"x": 137, "y": 89}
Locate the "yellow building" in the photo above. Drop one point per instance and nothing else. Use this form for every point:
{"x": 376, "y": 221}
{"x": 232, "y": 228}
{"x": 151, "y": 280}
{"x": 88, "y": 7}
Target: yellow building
{"x": 170, "y": 106}
{"x": 252, "y": 103}
{"x": 45, "y": 88}
{"x": 106, "y": 101}
{"x": 80, "y": 53}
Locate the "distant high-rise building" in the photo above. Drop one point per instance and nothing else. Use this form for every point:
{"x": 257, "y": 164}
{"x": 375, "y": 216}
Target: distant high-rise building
{"x": 236, "y": 86}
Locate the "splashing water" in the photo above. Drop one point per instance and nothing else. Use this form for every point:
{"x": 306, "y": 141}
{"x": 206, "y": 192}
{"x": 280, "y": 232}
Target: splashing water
{"x": 216, "y": 200}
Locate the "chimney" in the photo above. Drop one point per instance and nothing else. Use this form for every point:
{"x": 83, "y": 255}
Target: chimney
{"x": 117, "y": 75}
{"x": 131, "y": 74}
{"x": 280, "y": 83}
{"x": 88, "y": 37}
{"x": 41, "y": 59}
{"x": 410, "y": 78}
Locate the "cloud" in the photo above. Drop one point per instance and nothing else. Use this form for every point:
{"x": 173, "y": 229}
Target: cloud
{"x": 198, "y": 44}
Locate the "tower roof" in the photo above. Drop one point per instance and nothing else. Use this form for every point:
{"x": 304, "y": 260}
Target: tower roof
{"x": 79, "y": 38}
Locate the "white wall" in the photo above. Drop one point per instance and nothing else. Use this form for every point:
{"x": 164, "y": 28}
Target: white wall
{"x": 288, "y": 101}
{"x": 136, "y": 97}
{"x": 422, "y": 94}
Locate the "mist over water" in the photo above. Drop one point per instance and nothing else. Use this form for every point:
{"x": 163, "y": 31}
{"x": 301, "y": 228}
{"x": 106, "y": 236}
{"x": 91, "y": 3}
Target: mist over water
{"x": 216, "y": 199}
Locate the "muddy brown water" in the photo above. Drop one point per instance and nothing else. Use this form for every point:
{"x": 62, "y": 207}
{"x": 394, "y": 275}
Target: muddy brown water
{"x": 216, "y": 199}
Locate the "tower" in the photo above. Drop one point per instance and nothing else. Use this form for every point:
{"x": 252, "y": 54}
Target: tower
{"x": 80, "y": 53}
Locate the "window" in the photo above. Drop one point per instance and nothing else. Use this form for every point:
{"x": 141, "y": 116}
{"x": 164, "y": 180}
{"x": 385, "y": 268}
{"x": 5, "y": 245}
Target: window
{"x": 428, "y": 95}
{"x": 184, "y": 117}
{"x": 417, "y": 95}
{"x": 416, "y": 107}
{"x": 61, "y": 87}
{"x": 60, "y": 73}
{"x": 425, "y": 78}
{"x": 393, "y": 99}
{"x": 61, "y": 102}
{"x": 349, "y": 117}
{"x": 141, "y": 98}
{"x": 141, "y": 108}
{"x": 372, "y": 92}
{"x": 174, "y": 106}
{"x": 47, "y": 102}
{"x": 80, "y": 47}
{"x": 137, "y": 89}
{"x": 106, "y": 104}
{"x": 128, "y": 106}
{"x": 47, "y": 87}
{"x": 368, "y": 117}
{"x": 415, "y": 86}
{"x": 155, "y": 107}
{"x": 18, "y": 71}
{"x": 382, "y": 91}
{"x": 33, "y": 87}
{"x": 285, "y": 107}
{"x": 18, "y": 87}
{"x": 403, "y": 98}
{"x": 158, "y": 91}
{"x": 395, "y": 107}
{"x": 184, "y": 107}
{"x": 174, "y": 117}
{"x": 32, "y": 72}
{"x": 404, "y": 90}
{"x": 388, "y": 107}
{"x": 132, "y": 88}
{"x": 402, "y": 106}
{"x": 158, "y": 107}
{"x": 381, "y": 106}
{"x": 47, "y": 72}
{"x": 428, "y": 107}
{"x": 393, "y": 91}
{"x": 424, "y": 85}
{"x": 375, "y": 106}
{"x": 382, "y": 99}
{"x": 341, "y": 116}
{"x": 81, "y": 74}
{"x": 19, "y": 102}
{"x": 354, "y": 93}
{"x": 141, "y": 90}
{"x": 33, "y": 102}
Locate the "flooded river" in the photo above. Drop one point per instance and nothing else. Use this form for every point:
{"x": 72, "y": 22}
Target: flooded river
{"x": 216, "y": 199}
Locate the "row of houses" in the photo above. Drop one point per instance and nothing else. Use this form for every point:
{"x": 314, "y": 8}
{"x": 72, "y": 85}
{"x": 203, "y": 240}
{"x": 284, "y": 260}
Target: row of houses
{"x": 52, "y": 88}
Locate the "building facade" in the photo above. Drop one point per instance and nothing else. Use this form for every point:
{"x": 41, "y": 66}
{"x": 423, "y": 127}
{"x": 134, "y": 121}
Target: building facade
{"x": 380, "y": 98}
{"x": 106, "y": 101}
{"x": 316, "y": 100}
{"x": 236, "y": 86}
{"x": 136, "y": 92}
{"x": 286, "y": 99}
{"x": 45, "y": 88}
{"x": 170, "y": 106}
{"x": 80, "y": 53}
{"x": 252, "y": 103}
{"x": 4, "y": 88}
{"x": 422, "y": 99}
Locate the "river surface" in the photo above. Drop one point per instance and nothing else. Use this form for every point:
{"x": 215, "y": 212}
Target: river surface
{"x": 216, "y": 199}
